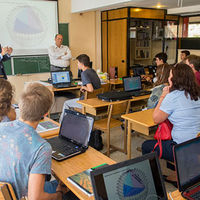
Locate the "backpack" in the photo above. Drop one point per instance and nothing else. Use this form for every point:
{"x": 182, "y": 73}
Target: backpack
{"x": 96, "y": 140}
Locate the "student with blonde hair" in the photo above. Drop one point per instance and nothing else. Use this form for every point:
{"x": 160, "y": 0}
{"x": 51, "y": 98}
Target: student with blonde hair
{"x": 7, "y": 113}
{"x": 27, "y": 158}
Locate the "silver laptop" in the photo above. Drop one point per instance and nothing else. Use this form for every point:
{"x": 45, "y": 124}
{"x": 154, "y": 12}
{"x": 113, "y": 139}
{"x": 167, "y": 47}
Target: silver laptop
{"x": 73, "y": 137}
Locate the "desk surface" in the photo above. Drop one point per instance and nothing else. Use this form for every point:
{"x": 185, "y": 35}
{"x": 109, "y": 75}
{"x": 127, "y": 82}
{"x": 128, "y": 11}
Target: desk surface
{"x": 63, "y": 89}
{"x": 142, "y": 117}
{"x": 96, "y": 103}
{"x": 51, "y": 133}
{"x": 77, "y": 164}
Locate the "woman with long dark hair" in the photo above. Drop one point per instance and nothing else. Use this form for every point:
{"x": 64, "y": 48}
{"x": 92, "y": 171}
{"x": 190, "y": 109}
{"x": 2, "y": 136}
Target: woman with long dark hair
{"x": 180, "y": 103}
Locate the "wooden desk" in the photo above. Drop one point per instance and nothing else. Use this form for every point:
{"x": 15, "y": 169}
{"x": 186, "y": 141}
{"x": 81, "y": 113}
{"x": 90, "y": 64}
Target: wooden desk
{"x": 140, "y": 122}
{"x": 53, "y": 89}
{"x": 77, "y": 164}
{"x": 51, "y": 133}
{"x": 96, "y": 106}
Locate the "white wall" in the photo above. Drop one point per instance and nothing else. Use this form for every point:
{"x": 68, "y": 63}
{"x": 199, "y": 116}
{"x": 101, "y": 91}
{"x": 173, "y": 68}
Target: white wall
{"x": 86, "y": 5}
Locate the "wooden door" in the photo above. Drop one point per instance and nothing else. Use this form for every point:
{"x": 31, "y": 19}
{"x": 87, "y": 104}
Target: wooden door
{"x": 117, "y": 46}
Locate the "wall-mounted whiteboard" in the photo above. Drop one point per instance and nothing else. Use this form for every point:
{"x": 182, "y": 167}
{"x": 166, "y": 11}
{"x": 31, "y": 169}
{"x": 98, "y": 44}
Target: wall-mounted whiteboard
{"x": 29, "y": 27}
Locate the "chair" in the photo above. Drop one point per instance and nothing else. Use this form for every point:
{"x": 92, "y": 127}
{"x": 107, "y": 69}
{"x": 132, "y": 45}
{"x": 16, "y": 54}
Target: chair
{"x": 6, "y": 191}
{"x": 89, "y": 95}
{"x": 117, "y": 108}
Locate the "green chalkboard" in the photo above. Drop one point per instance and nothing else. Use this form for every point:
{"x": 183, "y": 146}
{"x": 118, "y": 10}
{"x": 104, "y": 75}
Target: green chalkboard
{"x": 7, "y": 65}
{"x": 27, "y": 65}
{"x": 63, "y": 29}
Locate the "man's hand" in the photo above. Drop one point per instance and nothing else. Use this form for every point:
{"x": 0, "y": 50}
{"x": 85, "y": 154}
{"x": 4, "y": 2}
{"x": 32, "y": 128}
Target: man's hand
{"x": 4, "y": 51}
{"x": 10, "y": 50}
{"x": 83, "y": 89}
{"x": 66, "y": 53}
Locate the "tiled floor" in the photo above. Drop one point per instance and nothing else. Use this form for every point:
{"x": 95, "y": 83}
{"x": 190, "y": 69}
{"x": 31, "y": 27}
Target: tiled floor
{"x": 117, "y": 140}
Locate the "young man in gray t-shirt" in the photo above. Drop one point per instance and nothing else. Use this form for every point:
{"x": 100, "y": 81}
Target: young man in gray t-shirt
{"x": 90, "y": 82}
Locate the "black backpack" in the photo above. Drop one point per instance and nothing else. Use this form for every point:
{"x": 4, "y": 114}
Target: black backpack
{"x": 96, "y": 140}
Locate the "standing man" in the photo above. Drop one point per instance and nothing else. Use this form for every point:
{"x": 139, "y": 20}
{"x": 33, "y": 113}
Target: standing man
{"x": 59, "y": 55}
{"x": 5, "y": 53}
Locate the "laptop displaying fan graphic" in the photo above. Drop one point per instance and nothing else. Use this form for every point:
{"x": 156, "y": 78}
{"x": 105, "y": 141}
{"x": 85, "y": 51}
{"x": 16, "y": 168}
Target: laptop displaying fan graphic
{"x": 136, "y": 179}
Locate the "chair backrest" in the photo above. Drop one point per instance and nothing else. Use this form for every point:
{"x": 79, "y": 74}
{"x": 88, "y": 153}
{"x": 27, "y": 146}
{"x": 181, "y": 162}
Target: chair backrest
{"x": 89, "y": 95}
{"x": 6, "y": 191}
{"x": 119, "y": 108}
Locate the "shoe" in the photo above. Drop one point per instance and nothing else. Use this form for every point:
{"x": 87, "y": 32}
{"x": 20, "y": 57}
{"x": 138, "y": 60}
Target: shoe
{"x": 174, "y": 183}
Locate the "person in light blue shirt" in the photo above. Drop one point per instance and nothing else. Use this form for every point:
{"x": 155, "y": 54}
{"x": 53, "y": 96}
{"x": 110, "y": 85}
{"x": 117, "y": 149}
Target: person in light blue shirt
{"x": 25, "y": 157}
{"x": 180, "y": 103}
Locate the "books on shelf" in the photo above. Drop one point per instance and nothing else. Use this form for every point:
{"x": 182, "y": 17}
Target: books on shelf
{"x": 82, "y": 180}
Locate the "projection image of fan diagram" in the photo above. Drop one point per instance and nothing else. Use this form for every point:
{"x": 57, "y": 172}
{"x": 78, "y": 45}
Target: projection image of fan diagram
{"x": 27, "y": 25}
{"x": 132, "y": 185}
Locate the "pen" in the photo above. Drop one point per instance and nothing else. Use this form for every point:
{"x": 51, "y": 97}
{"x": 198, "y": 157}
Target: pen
{"x": 170, "y": 195}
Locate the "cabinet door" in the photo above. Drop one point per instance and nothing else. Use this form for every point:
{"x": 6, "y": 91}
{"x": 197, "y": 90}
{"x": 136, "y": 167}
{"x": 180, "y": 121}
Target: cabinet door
{"x": 117, "y": 46}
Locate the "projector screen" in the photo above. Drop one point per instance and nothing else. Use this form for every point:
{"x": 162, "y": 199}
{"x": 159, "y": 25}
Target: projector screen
{"x": 29, "y": 27}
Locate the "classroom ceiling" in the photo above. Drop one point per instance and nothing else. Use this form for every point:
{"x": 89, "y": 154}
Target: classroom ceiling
{"x": 166, "y": 4}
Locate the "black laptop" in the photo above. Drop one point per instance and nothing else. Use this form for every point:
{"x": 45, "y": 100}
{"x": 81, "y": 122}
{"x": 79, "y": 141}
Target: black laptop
{"x": 187, "y": 162}
{"x": 132, "y": 87}
{"x": 61, "y": 79}
{"x": 73, "y": 137}
{"x": 136, "y": 179}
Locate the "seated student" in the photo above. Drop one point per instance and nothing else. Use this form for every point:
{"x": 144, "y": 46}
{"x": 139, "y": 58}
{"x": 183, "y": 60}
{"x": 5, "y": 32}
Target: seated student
{"x": 194, "y": 62}
{"x": 184, "y": 54}
{"x": 160, "y": 59}
{"x": 162, "y": 74}
{"x": 7, "y": 113}
{"x": 180, "y": 103}
{"x": 26, "y": 157}
{"x": 90, "y": 82}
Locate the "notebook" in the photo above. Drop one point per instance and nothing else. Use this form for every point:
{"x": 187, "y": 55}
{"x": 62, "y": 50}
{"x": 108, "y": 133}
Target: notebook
{"x": 61, "y": 79}
{"x": 136, "y": 179}
{"x": 73, "y": 136}
{"x": 187, "y": 162}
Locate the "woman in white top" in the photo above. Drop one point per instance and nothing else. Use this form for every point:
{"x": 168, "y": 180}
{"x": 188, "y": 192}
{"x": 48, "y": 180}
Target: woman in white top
{"x": 7, "y": 113}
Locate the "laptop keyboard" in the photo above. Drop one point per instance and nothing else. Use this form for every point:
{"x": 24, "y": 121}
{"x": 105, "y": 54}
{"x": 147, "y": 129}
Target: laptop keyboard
{"x": 140, "y": 93}
{"x": 195, "y": 195}
{"x": 63, "y": 146}
{"x": 63, "y": 86}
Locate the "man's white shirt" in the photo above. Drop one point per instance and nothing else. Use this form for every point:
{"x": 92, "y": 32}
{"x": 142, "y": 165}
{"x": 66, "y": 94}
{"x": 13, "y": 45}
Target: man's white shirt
{"x": 56, "y": 52}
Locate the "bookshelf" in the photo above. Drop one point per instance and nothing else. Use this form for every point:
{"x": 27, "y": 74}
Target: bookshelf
{"x": 143, "y": 43}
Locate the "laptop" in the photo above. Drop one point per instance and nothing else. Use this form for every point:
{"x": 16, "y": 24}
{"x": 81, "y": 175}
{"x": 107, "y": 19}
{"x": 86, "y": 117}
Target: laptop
{"x": 61, "y": 79}
{"x": 187, "y": 162}
{"x": 132, "y": 87}
{"x": 136, "y": 179}
{"x": 73, "y": 136}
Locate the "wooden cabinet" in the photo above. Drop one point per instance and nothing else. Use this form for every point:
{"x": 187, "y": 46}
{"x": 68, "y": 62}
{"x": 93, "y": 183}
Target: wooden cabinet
{"x": 122, "y": 47}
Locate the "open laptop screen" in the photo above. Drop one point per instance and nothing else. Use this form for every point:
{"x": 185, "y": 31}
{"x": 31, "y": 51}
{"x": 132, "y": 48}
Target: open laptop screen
{"x": 132, "y": 83}
{"x": 76, "y": 127}
{"x": 60, "y": 77}
{"x": 187, "y": 159}
{"x": 136, "y": 179}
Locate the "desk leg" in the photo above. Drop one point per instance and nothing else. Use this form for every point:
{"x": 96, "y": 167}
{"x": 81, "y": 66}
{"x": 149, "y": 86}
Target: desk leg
{"x": 129, "y": 141}
{"x": 83, "y": 110}
{"x": 125, "y": 136}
